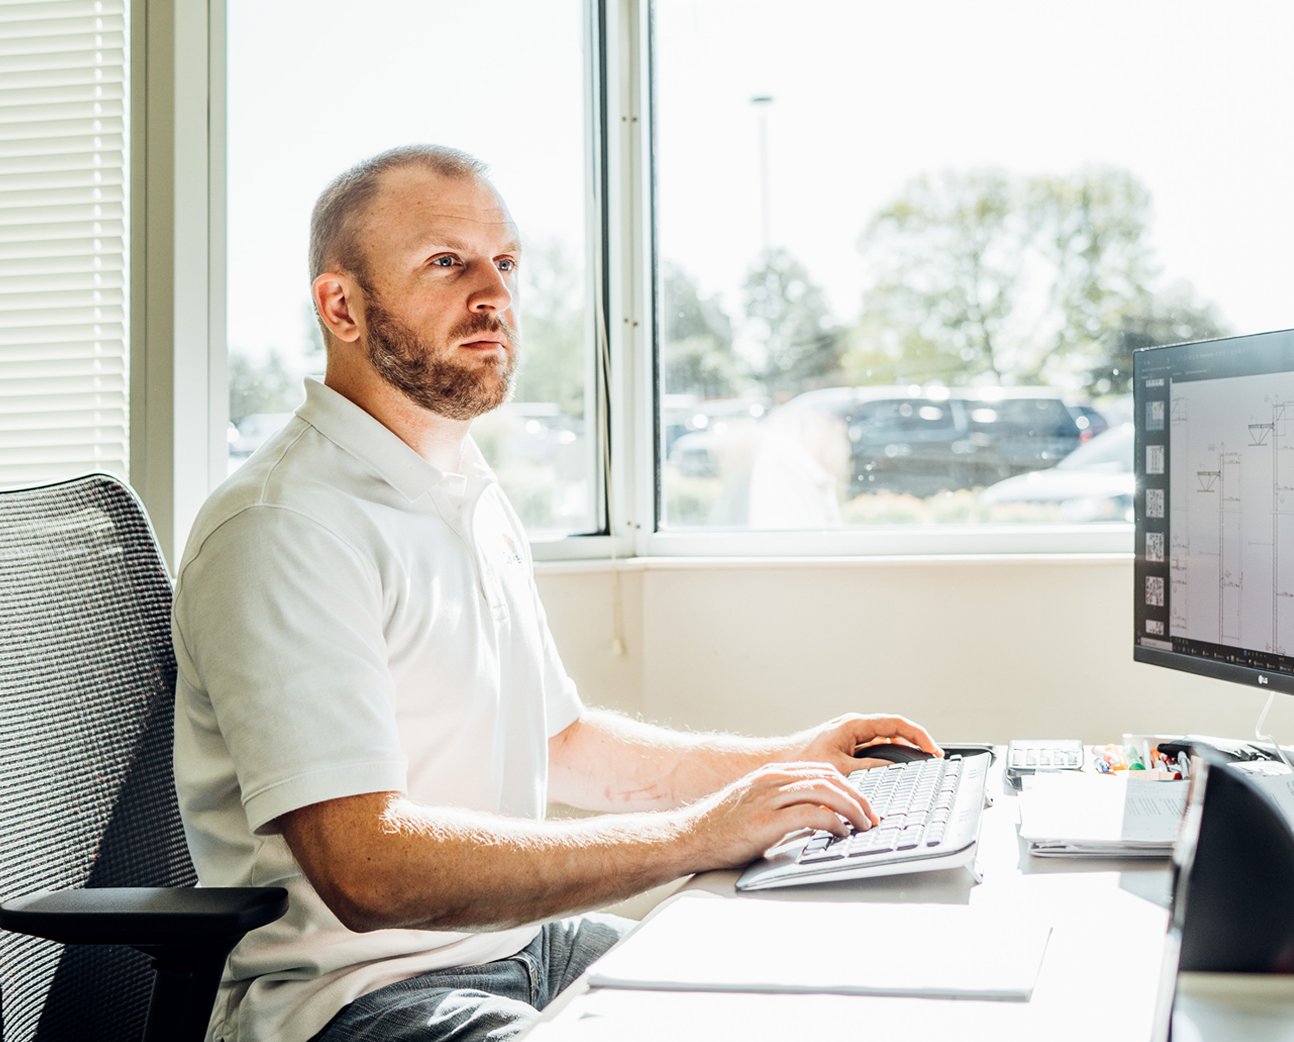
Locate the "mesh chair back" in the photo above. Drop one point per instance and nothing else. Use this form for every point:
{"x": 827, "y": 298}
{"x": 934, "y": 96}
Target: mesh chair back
{"x": 87, "y": 797}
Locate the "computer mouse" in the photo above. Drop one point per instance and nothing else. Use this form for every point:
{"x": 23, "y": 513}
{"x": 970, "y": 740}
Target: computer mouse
{"x": 892, "y": 751}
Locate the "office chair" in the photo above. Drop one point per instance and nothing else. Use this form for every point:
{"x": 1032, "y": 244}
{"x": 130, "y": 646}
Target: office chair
{"x": 95, "y": 878}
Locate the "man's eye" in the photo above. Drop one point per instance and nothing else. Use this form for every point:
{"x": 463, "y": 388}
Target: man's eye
{"x": 444, "y": 261}
{"x": 506, "y": 264}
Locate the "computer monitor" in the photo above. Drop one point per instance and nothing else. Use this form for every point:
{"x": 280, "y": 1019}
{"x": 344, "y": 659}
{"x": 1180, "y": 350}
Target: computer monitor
{"x": 1214, "y": 508}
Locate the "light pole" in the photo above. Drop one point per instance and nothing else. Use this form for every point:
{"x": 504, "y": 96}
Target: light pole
{"x": 761, "y": 103}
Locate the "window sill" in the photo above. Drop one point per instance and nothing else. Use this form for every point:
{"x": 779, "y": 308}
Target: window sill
{"x": 839, "y": 549}
{"x": 871, "y": 545}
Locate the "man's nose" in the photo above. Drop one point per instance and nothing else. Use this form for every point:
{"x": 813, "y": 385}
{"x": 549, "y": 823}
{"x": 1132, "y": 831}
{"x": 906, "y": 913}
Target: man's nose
{"x": 491, "y": 292}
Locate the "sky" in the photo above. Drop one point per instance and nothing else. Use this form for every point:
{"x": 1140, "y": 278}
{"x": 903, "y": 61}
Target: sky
{"x": 313, "y": 89}
{"x": 865, "y": 96}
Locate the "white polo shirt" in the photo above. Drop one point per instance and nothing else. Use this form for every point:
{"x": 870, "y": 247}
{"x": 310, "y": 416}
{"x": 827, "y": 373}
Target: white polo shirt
{"x": 350, "y": 619}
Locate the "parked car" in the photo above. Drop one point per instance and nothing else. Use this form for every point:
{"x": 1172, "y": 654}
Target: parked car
{"x": 1091, "y": 421}
{"x": 1094, "y": 483}
{"x": 684, "y": 414}
{"x": 1018, "y": 429}
{"x": 694, "y": 454}
{"x": 928, "y": 440}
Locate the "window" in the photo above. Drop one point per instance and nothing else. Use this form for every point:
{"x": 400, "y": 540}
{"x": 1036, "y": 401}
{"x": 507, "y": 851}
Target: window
{"x": 502, "y": 79}
{"x": 905, "y": 252}
{"x": 63, "y": 240}
{"x": 897, "y": 260}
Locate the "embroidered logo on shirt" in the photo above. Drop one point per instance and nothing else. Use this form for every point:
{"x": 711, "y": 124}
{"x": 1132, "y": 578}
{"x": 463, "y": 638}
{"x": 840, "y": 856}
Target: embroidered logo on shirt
{"x": 511, "y": 551}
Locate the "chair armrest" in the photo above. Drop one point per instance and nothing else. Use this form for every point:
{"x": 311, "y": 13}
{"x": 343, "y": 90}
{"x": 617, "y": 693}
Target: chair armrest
{"x": 144, "y": 916}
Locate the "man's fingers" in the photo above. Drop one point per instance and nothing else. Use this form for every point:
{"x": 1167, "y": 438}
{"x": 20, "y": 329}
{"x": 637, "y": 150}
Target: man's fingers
{"x": 899, "y": 727}
{"x": 774, "y": 801}
{"x": 828, "y": 789}
{"x": 810, "y": 817}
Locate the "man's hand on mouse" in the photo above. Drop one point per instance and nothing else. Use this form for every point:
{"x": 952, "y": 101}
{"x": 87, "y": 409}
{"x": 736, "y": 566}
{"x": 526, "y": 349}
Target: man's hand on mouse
{"x": 841, "y": 742}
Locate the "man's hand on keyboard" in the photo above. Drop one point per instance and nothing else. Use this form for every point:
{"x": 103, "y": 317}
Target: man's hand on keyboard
{"x": 835, "y": 741}
{"x": 738, "y": 823}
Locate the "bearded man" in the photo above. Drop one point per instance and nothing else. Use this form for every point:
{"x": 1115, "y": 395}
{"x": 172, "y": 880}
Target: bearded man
{"x": 371, "y": 711}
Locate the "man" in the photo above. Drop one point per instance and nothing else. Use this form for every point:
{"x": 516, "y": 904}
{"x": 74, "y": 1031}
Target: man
{"x": 370, "y": 708}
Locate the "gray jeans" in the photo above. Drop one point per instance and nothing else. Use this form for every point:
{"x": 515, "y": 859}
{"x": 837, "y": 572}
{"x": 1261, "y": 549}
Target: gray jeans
{"x": 488, "y": 1003}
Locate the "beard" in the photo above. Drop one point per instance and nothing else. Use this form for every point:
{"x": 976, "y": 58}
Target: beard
{"x": 431, "y": 377}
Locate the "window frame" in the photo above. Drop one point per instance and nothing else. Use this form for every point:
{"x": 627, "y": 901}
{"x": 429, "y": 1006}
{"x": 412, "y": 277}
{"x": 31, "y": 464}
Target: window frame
{"x": 871, "y": 541}
{"x": 178, "y": 388}
{"x": 609, "y": 219}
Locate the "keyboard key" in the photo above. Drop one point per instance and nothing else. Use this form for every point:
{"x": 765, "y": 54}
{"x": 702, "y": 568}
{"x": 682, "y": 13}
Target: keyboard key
{"x": 821, "y": 855}
{"x": 880, "y": 848}
{"x": 910, "y": 838}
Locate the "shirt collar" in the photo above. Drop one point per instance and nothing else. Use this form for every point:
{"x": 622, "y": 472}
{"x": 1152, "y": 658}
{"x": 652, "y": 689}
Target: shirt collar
{"x": 350, "y": 428}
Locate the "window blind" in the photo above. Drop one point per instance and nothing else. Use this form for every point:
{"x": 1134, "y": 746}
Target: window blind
{"x": 63, "y": 239}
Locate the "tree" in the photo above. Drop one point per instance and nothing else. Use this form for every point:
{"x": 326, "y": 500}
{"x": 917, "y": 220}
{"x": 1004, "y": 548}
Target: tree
{"x": 1019, "y": 280}
{"x": 697, "y": 355}
{"x": 1171, "y": 316}
{"x": 261, "y": 385}
{"x": 946, "y": 261}
{"x": 554, "y": 330}
{"x": 802, "y": 345}
{"x": 1095, "y": 243}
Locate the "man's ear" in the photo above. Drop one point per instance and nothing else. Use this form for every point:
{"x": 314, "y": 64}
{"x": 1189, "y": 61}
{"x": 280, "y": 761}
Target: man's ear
{"x": 336, "y": 296}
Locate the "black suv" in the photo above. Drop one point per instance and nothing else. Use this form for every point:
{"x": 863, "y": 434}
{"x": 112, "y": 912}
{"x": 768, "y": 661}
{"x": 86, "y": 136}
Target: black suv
{"x": 927, "y": 440}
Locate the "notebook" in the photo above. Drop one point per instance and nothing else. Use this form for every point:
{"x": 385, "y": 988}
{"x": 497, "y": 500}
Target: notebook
{"x": 702, "y": 942}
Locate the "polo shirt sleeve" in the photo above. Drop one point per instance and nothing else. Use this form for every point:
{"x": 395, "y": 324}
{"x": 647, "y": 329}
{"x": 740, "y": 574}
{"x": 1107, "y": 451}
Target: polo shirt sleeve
{"x": 562, "y": 704}
{"x": 278, "y": 625}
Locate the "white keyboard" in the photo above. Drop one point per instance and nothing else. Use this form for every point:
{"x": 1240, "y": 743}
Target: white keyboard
{"x": 930, "y": 814}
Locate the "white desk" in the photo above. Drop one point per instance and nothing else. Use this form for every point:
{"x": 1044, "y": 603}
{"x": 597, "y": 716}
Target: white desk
{"x": 1099, "y": 979}
{"x": 1220, "y": 1007}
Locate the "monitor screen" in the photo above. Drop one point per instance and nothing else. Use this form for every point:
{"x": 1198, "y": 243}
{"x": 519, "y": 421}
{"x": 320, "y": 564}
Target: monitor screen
{"x": 1214, "y": 507}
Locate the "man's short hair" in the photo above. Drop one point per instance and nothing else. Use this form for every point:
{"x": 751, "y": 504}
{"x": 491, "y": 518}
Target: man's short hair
{"x": 334, "y": 241}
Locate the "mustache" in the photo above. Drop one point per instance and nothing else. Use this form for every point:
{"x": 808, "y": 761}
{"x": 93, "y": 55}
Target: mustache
{"x": 482, "y": 324}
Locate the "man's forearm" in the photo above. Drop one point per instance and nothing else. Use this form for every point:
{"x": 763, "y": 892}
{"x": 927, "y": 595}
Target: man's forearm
{"x": 452, "y": 869}
{"x": 379, "y": 860}
{"x": 609, "y": 762}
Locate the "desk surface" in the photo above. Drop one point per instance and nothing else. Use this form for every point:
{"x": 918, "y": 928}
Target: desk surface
{"x": 1100, "y": 976}
{"x": 1211, "y": 1007}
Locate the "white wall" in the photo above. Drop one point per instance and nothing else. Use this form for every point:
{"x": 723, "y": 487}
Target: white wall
{"x": 975, "y": 648}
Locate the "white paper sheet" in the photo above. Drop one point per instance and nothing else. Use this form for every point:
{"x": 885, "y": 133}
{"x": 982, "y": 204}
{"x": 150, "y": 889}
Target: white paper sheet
{"x": 1071, "y": 813}
{"x": 707, "y": 943}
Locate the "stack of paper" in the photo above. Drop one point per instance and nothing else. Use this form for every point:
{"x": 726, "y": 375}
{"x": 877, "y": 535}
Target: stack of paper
{"x": 1072, "y": 814}
{"x": 700, "y": 942}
